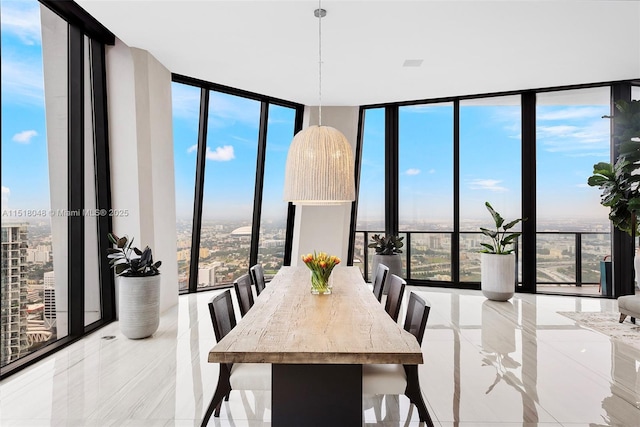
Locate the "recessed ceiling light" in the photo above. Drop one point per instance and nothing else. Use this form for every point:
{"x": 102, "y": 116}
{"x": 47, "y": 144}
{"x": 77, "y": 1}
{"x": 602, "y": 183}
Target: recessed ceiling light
{"x": 412, "y": 62}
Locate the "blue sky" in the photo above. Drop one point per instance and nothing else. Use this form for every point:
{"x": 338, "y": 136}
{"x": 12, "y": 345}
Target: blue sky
{"x": 231, "y": 155}
{"x": 571, "y": 138}
{"x": 571, "y": 135}
{"x": 25, "y": 184}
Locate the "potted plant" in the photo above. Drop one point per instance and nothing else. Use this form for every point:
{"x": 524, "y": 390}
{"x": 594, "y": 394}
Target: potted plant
{"x": 620, "y": 182}
{"x": 387, "y": 253}
{"x": 138, "y": 287}
{"x": 497, "y": 260}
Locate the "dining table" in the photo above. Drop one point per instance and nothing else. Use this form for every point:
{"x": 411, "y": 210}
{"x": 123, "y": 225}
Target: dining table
{"x": 317, "y": 345}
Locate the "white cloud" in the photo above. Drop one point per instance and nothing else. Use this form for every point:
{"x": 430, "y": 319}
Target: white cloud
{"x": 21, "y": 20}
{"x": 571, "y": 113}
{"x": 575, "y": 140}
{"x": 487, "y": 184}
{"x": 412, "y": 171}
{"x": 22, "y": 82}
{"x": 225, "y": 110}
{"x": 432, "y": 171}
{"x": 185, "y": 101}
{"x": 193, "y": 148}
{"x": 222, "y": 154}
{"x": 425, "y": 108}
{"x": 25, "y": 136}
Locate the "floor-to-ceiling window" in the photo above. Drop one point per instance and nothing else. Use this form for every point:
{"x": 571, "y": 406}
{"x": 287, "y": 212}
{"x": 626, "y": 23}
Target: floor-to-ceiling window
{"x": 55, "y": 204}
{"x": 456, "y": 154}
{"x": 425, "y": 188}
{"x": 371, "y": 201}
{"x": 573, "y": 228}
{"x": 230, "y": 149}
{"x": 186, "y": 106}
{"x": 489, "y": 172}
{"x": 273, "y": 218}
{"x": 230, "y": 173}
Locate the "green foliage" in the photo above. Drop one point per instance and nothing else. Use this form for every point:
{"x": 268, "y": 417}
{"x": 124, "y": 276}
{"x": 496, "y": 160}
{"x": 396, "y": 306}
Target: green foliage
{"x": 386, "y": 245}
{"x": 620, "y": 183}
{"x": 499, "y": 239}
{"x": 127, "y": 260}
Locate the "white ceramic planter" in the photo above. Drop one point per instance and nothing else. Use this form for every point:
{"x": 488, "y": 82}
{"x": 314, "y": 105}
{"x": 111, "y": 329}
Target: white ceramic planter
{"x": 498, "y": 276}
{"x": 394, "y": 262}
{"x": 139, "y": 306}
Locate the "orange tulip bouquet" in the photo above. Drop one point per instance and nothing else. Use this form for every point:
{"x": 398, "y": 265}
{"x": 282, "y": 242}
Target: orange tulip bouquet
{"x": 321, "y": 266}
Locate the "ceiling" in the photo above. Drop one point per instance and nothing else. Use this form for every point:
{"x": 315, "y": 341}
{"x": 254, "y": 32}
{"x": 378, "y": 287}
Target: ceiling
{"x": 466, "y": 47}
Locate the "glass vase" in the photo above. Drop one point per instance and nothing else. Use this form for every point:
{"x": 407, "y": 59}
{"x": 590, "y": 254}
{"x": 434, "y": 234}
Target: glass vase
{"x": 319, "y": 283}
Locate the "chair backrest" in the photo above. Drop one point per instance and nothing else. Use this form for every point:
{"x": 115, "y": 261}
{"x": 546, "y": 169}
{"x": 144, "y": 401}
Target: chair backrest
{"x": 379, "y": 280}
{"x": 394, "y": 298}
{"x": 242, "y": 286}
{"x": 257, "y": 277}
{"x": 222, "y": 315}
{"x": 415, "y": 321}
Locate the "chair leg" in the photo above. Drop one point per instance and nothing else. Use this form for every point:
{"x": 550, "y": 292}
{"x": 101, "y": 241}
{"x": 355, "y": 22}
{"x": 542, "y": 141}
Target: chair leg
{"x": 222, "y": 389}
{"x": 415, "y": 395}
{"x": 622, "y": 317}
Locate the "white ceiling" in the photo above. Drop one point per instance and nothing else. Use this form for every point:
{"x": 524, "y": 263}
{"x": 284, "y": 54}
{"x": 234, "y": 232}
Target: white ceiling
{"x": 467, "y": 47}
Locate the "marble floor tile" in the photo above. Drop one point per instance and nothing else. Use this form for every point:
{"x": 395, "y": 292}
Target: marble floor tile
{"x": 518, "y": 363}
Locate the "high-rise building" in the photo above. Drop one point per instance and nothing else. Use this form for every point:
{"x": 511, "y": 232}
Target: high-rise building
{"x": 13, "y": 317}
{"x": 206, "y": 276}
{"x": 49, "y": 299}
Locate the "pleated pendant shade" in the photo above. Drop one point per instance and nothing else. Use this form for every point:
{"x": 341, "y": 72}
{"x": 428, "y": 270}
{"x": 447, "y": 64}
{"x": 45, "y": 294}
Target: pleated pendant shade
{"x": 320, "y": 168}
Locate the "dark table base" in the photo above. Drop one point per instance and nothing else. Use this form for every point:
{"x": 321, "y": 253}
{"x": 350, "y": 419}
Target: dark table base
{"x": 316, "y": 395}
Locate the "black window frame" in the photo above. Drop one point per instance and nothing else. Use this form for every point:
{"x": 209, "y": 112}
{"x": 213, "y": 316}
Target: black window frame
{"x": 81, "y": 24}
{"x": 622, "y": 244}
{"x": 265, "y": 101}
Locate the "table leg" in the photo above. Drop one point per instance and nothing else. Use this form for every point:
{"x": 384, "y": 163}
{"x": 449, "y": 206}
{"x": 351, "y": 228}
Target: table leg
{"x": 316, "y": 395}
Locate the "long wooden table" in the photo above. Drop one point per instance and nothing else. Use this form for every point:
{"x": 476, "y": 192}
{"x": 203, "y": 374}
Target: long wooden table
{"x": 317, "y": 345}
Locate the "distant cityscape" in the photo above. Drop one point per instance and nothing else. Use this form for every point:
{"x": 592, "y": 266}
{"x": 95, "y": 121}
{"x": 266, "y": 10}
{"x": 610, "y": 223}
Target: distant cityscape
{"x": 224, "y": 251}
{"x": 29, "y": 313}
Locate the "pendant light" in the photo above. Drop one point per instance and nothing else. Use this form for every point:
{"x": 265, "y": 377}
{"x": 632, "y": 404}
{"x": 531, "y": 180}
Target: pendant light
{"x": 319, "y": 169}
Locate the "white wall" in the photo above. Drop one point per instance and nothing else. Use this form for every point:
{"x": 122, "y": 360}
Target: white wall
{"x": 325, "y": 228}
{"x": 141, "y": 155}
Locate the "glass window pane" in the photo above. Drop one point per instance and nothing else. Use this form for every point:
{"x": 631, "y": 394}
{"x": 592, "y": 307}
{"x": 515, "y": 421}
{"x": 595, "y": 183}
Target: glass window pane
{"x": 595, "y": 247}
{"x": 34, "y": 180}
{"x": 371, "y": 193}
{"x": 426, "y": 167}
{"x": 490, "y": 170}
{"x": 92, "y": 302}
{"x": 470, "y": 257}
{"x": 431, "y": 256}
{"x": 186, "y": 112}
{"x": 230, "y": 173}
{"x": 273, "y": 218}
{"x": 571, "y": 136}
{"x": 359, "y": 248}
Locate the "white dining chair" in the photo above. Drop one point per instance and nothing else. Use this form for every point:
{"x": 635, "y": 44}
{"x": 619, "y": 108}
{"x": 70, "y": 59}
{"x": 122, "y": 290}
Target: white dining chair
{"x": 396, "y": 379}
{"x": 232, "y": 376}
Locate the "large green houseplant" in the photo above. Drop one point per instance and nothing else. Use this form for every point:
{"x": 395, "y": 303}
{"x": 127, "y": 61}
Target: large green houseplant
{"x": 387, "y": 253}
{"x": 497, "y": 260}
{"x": 620, "y": 182}
{"x": 138, "y": 287}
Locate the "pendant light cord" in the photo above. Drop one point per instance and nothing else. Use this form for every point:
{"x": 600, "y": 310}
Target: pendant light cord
{"x": 319, "y": 63}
